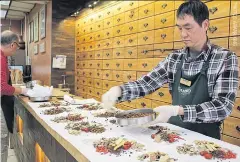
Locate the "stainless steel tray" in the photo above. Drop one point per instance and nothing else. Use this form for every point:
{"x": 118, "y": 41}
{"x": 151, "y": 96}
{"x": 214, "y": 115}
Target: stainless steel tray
{"x": 39, "y": 99}
{"x": 135, "y": 121}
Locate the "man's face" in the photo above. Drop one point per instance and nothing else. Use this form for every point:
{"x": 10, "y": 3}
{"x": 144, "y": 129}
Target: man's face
{"x": 192, "y": 34}
{"x": 13, "y": 48}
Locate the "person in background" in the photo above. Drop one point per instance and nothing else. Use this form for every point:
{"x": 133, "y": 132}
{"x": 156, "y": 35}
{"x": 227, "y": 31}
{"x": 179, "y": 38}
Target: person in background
{"x": 9, "y": 45}
{"x": 202, "y": 78}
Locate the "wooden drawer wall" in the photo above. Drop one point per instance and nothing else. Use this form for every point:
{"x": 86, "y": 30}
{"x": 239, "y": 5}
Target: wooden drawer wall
{"x": 123, "y": 42}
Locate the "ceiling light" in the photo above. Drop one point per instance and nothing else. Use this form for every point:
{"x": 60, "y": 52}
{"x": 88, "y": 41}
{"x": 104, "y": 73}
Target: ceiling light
{"x": 3, "y": 13}
{"x": 77, "y": 12}
{"x": 89, "y": 6}
{"x": 95, "y": 2}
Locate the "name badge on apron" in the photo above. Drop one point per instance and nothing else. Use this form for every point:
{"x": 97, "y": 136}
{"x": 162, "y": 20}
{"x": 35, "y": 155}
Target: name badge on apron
{"x": 185, "y": 82}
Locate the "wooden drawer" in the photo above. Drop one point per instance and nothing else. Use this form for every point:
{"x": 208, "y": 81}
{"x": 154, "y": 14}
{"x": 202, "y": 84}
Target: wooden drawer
{"x": 130, "y": 64}
{"x": 162, "y": 50}
{"x": 78, "y": 48}
{"x": 91, "y": 46}
{"x": 78, "y": 64}
{"x": 99, "y": 45}
{"x": 117, "y": 75}
{"x": 146, "y": 37}
{"x": 108, "y": 84}
{"x": 78, "y": 40}
{"x": 222, "y": 42}
{"x": 164, "y": 20}
{"x": 118, "y": 30}
{"x": 232, "y": 140}
{"x": 83, "y": 39}
{"x": 218, "y": 9}
{"x": 178, "y": 45}
{"x": 162, "y": 94}
{"x": 119, "y": 19}
{"x": 98, "y": 73}
{"x": 141, "y": 74}
{"x": 231, "y": 127}
{"x": 90, "y": 91}
{"x": 91, "y": 20}
{"x": 131, "y": 15}
{"x": 130, "y": 52}
{"x": 118, "y": 42}
{"x": 130, "y": 5}
{"x": 145, "y": 51}
{"x": 130, "y": 40}
{"x": 236, "y": 109}
{"x": 108, "y": 13}
{"x": 83, "y": 81}
{"x": 90, "y": 55}
{"x": 99, "y": 64}
{"x": 117, "y": 64}
{"x": 89, "y": 82}
{"x": 143, "y": 3}
{"x": 131, "y": 27}
{"x": 146, "y": 11}
{"x": 118, "y": 53}
{"x": 108, "y": 43}
{"x": 108, "y": 22}
{"x": 163, "y": 6}
{"x": 234, "y": 45}
{"x": 143, "y": 103}
{"x": 119, "y": 8}
{"x": 107, "y": 64}
{"x": 99, "y": 26}
{"x": 235, "y": 25}
{"x": 91, "y": 64}
{"x": 146, "y": 24}
{"x": 78, "y": 56}
{"x": 156, "y": 104}
{"x": 97, "y": 92}
{"x": 219, "y": 28}
{"x": 145, "y": 64}
{"x": 129, "y": 76}
{"x": 164, "y": 35}
{"x": 129, "y": 103}
{"x": 107, "y": 74}
{"x": 90, "y": 73}
{"x": 78, "y": 72}
{"x": 88, "y": 38}
{"x": 98, "y": 35}
{"x": 235, "y": 5}
{"x": 108, "y": 33}
{"x": 107, "y": 54}
{"x": 156, "y": 61}
{"x": 99, "y": 16}
{"x": 91, "y": 28}
{"x": 79, "y": 80}
{"x": 98, "y": 54}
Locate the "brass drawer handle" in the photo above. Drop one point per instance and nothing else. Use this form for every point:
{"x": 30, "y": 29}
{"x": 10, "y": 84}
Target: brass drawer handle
{"x": 130, "y": 28}
{"x": 91, "y": 28}
{"x": 130, "y": 40}
{"x": 98, "y": 35}
{"x": 163, "y": 20}
{"x": 131, "y": 15}
{"x": 107, "y": 75}
{"x": 212, "y": 29}
{"x": 129, "y": 101}
{"x": 108, "y": 33}
{"x": 83, "y": 73}
{"x": 90, "y": 37}
{"x": 98, "y": 93}
{"x": 130, "y": 4}
{"x": 77, "y": 88}
{"x": 213, "y": 10}
{"x": 99, "y": 16}
{"x": 145, "y": 25}
{"x": 78, "y": 41}
{"x": 146, "y": 11}
{"x": 98, "y": 74}
{"x": 164, "y": 5}
{"x": 160, "y": 94}
{"x": 129, "y": 65}
{"x": 99, "y": 26}
{"x": 98, "y": 64}
{"x": 119, "y": 8}
{"x": 90, "y": 91}
{"x": 98, "y": 83}
{"x": 77, "y": 80}
{"x": 90, "y": 73}
{"x": 84, "y": 22}
{"x": 145, "y": 51}
{"x": 78, "y": 32}
{"x": 145, "y": 38}
{"x": 106, "y": 85}
{"x": 78, "y": 73}
{"x": 163, "y": 36}
{"x": 107, "y": 64}
{"x": 90, "y": 64}
{"x": 108, "y": 12}
{"x": 77, "y": 48}
{"x": 98, "y": 55}
{"x": 118, "y": 19}
{"x": 83, "y": 64}
{"x": 143, "y": 104}
{"x": 129, "y": 52}
{"x": 107, "y": 44}
{"x": 84, "y": 30}
{"x": 162, "y": 50}
{"x": 129, "y": 76}
{"x": 117, "y": 64}
{"x": 144, "y": 64}
{"x": 90, "y": 82}
{"x": 84, "y": 56}
{"x": 91, "y": 48}
{"x": 107, "y": 54}
{"x": 118, "y": 53}
{"x": 118, "y": 42}
{"x": 117, "y": 75}
{"x": 108, "y": 22}
{"x": 84, "y": 48}
{"x": 91, "y": 19}
{"x": 84, "y": 40}
{"x": 238, "y": 108}
{"x": 83, "y": 81}
{"x": 90, "y": 55}
{"x": 238, "y": 128}
{"x": 118, "y": 31}
{"x": 99, "y": 45}
{"x": 78, "y": 57}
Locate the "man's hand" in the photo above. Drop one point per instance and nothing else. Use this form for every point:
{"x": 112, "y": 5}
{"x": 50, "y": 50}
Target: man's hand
{"x": 109, "y": 98}
{"x": 164, "y": 113}
{"x": 24, "y": 91}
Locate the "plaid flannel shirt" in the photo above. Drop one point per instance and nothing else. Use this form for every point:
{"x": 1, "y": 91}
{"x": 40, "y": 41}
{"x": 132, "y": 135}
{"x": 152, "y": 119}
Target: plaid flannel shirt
{"x": 222, "y": 77}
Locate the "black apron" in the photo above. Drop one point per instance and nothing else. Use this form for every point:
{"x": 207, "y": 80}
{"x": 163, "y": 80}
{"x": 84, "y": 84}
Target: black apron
{"x": 194, "y": 94}
{"x": 7, "y": 104}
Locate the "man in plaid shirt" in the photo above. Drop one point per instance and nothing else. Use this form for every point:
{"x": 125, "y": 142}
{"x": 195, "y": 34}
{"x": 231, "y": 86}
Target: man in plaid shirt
{"x": 202, "y": 78}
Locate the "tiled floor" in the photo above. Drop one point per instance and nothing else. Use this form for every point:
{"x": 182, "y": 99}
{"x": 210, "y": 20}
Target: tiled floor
{"x": 11, "y": 156}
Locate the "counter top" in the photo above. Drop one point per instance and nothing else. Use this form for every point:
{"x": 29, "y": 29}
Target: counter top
{"x": 81, "y": 146}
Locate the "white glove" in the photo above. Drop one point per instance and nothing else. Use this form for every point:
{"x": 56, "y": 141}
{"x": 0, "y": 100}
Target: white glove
{"x": 164, "y": 113}
{"x": 109, "y": 98}
{"x": 24, "y": 91}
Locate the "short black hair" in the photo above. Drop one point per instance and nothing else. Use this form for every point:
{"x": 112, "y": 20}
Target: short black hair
{"x": 196, "y": 8}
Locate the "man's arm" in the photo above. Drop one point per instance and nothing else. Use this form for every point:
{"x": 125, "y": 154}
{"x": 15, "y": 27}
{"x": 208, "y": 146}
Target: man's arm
{"x": 223, "y": 98}
{"x": 146, "y": 84}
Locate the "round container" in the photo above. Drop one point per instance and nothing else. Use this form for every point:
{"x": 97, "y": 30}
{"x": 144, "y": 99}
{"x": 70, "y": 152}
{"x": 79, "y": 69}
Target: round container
{"x": 135, "y": 121}
{"x": 39, "y": 99}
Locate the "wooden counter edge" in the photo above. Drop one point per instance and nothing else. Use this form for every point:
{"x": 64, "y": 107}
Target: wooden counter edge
{"x": 66, "y": 144}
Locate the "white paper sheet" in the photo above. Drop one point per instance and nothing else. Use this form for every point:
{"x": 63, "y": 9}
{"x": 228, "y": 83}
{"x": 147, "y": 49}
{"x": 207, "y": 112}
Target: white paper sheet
{"x": 84, "y": 141}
